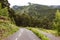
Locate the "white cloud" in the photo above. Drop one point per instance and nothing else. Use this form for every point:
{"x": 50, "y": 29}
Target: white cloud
{"x": 44, "y": 2}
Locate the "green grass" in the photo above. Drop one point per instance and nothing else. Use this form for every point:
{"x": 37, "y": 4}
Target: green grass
{"x": 54, "y": 32}
{"x": 6, "y": 29}
{"x": 38, "y": 33}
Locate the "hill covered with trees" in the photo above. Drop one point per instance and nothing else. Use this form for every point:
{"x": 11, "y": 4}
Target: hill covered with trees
{"x": 36, "y": 15}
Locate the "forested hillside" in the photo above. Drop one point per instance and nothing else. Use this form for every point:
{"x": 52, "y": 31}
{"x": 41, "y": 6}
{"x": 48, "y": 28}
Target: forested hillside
{"x": 36, "y": 15}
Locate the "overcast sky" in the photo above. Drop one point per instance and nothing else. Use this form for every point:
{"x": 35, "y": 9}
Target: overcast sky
{"x": 25, "y": 2}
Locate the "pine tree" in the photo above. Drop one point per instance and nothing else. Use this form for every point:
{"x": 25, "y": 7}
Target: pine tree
{"x": 57, "y": 22}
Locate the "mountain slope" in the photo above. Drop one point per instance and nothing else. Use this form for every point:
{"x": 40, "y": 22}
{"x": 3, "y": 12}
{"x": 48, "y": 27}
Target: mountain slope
{"x": 35, "y": 10}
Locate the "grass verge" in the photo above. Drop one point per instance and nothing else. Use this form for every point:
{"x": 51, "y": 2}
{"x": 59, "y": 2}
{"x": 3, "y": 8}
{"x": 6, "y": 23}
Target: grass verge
{"x": 38, "y": 33}
{"x": 54, "y": 32}
{"x": 7, "y": 29}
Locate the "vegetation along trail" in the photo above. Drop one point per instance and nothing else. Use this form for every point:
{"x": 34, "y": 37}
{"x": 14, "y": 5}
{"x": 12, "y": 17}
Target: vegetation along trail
{"x": 50, "y": 36}
{"x": 32, "y": 16}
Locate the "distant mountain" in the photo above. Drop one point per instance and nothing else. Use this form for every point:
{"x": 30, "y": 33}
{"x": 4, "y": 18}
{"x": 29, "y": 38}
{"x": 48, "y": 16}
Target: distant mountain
{"x": 37, "y": 10}
{"x": 55, "y": 6}
{"x": 16, "y": 7}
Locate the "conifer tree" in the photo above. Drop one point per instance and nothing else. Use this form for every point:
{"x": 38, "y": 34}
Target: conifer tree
{"x": 57, "y": 22}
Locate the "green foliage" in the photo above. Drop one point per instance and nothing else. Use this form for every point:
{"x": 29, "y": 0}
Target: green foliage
{"x": 23, "y": 19}
{"x": 46, "y": 23}
{"x": 36, "y": 10}
{"x": 38, "y": 33}
{"x": 0, "y": 6}
{"x": 34, "y": 15}
{"x": 27, "y": 20}
{"x": 54, "y": 32}
{"x": 4, "y": 3}
{"x": 4, "y": 11}
{"x": 6, "y": 29}
{"x": 6, "y": 6}
{"x": 57, "y": 22}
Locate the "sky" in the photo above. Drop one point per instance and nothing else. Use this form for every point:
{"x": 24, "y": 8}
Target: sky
{"x": 25, "y": 2}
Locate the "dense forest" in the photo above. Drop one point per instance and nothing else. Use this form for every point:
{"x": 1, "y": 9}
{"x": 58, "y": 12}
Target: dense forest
{"x": 33, "y": 15}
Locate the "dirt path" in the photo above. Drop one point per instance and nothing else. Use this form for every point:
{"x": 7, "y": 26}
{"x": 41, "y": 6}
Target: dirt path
{"x": 50, "y": 36}
{"x": 23, "y": 34}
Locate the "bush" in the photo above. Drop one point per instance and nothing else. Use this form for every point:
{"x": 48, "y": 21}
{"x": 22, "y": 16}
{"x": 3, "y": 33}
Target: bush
{"x": 7, "y": 29}
{"x": 3, "y": 11}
